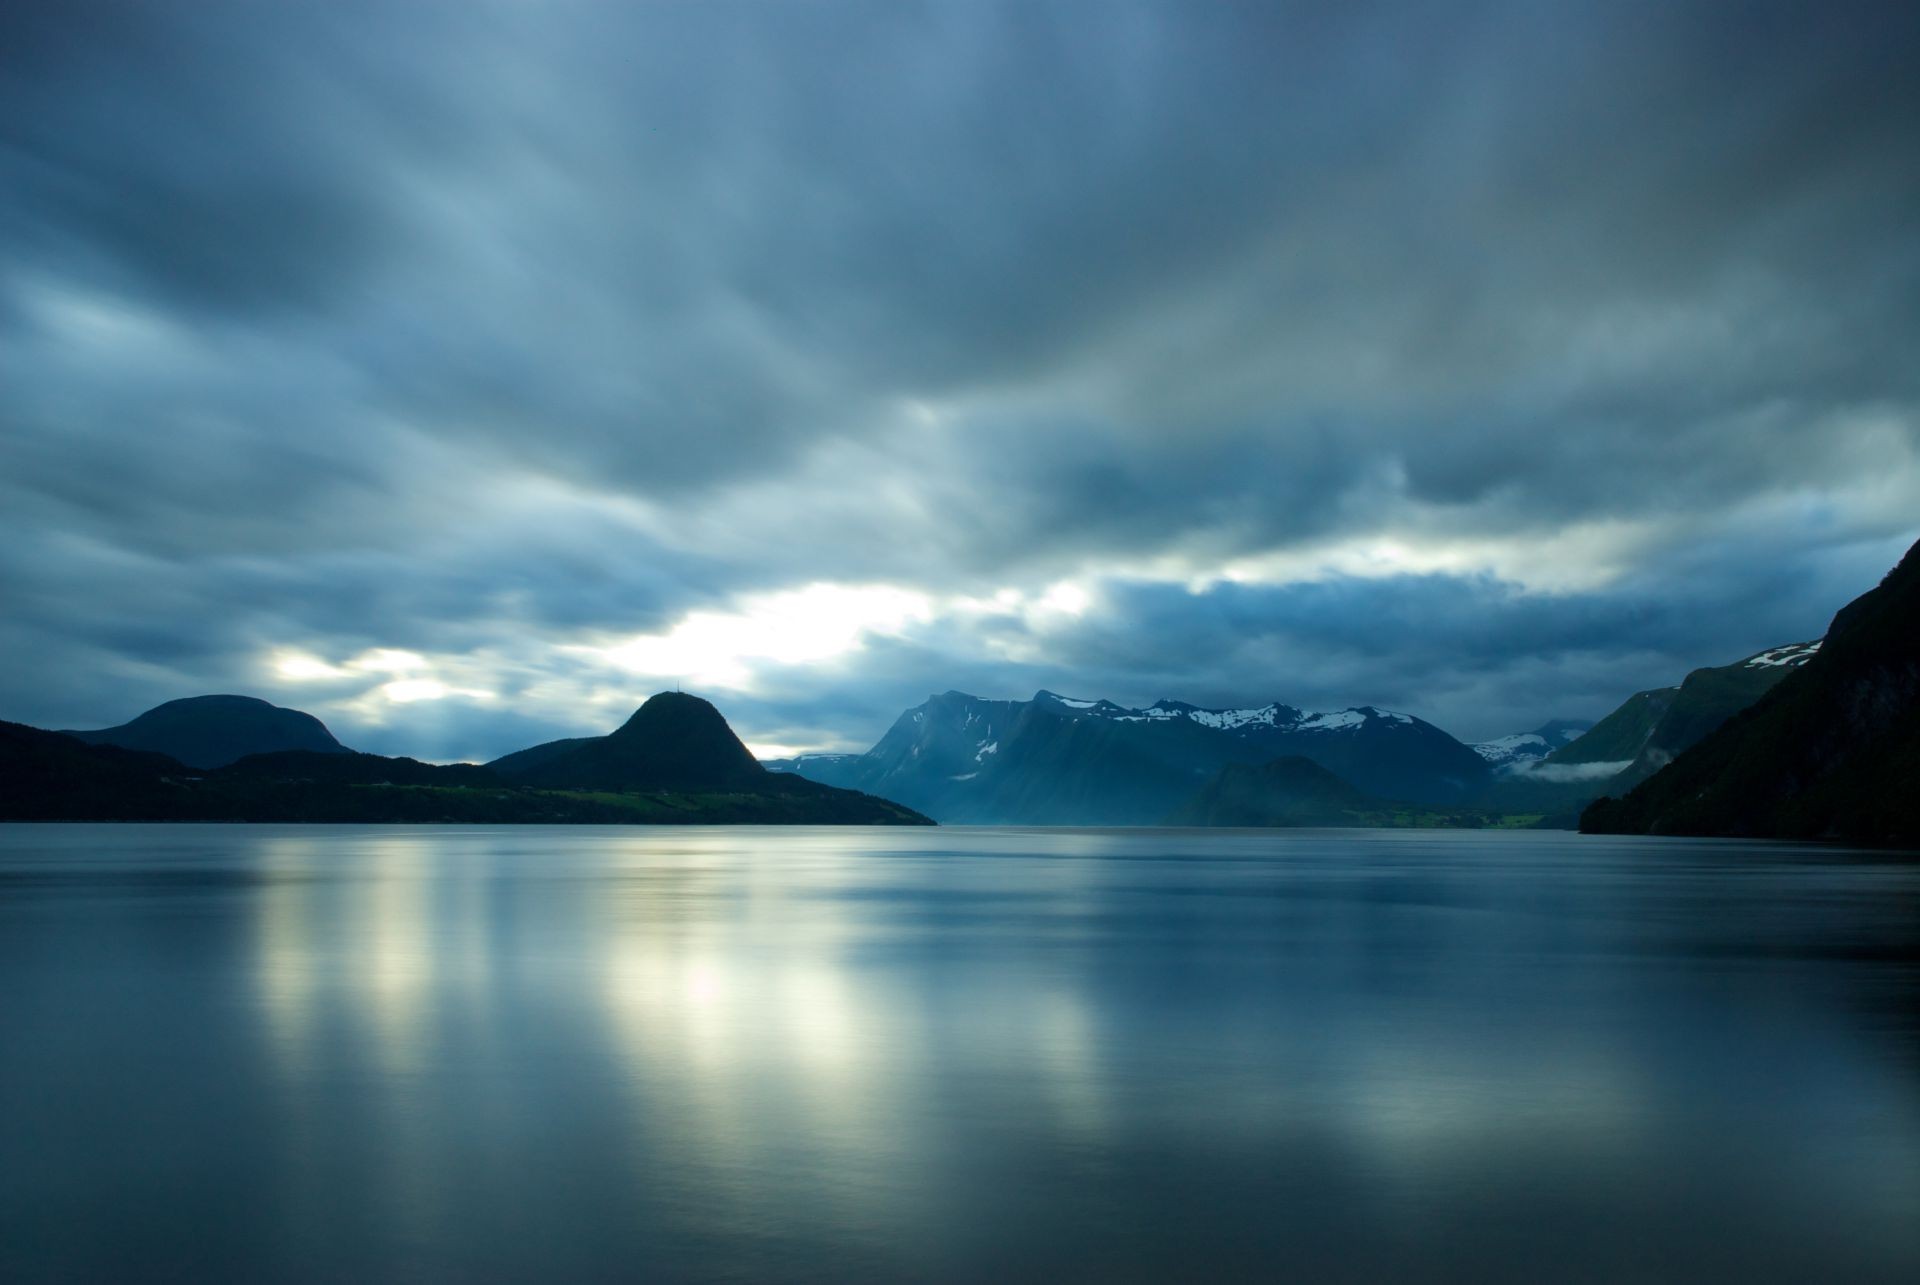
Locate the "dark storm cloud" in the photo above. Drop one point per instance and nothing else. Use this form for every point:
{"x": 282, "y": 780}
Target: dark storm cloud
{"x": 482, "y": 330}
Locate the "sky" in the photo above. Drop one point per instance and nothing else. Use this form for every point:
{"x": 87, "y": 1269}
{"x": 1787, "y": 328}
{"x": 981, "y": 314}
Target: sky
{"x": 464, "y": 373}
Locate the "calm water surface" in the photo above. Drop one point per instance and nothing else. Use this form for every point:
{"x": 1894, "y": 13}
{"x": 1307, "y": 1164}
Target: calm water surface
{"x": 366, "y": 1054}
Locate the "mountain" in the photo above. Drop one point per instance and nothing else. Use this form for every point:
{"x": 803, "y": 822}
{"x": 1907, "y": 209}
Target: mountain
{"x": 674, "y": 762}
{"x": 680, "y": 744}
{"x": 1056, "y": 760}
{"x": 1635, "y": 740}
{"x": 50, "y": 776}
{"x": 1831, "y": 751}
{"x": 305, "y": 767}
{"x": 1296, "y": 791}
{"x": 213, "y": 731}
{"x": 1645, "y": 733}
{"x": 1620, "y": 736}
{"x": 673, "y": 742}
{"x": 1531, "y": 747}
{"x": 525, "y": 760}
{"x": 1285, "y": 792}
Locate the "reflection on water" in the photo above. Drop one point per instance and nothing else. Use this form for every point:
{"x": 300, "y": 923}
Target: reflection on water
{"x": 388, "y": 1053}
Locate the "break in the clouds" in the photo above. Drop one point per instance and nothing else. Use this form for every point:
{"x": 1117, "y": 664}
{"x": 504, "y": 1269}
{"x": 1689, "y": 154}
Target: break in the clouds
{"x": 465, "y": 372}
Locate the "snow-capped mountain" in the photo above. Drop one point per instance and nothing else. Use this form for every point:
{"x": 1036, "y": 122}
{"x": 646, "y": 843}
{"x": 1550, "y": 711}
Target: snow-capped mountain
{"x": 1530, "y": 747}
{"x": 1065, "y": 760}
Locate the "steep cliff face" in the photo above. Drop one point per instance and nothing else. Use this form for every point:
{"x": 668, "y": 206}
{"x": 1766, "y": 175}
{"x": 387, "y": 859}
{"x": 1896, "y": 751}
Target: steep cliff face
{"x": 1832, "y": 751}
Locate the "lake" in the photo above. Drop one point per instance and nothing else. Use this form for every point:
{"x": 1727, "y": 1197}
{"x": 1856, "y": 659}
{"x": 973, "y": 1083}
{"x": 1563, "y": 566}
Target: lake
{"x": 265, "y": 1053}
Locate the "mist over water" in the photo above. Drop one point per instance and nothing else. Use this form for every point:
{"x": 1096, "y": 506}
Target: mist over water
{"x": 365, "y": 1053}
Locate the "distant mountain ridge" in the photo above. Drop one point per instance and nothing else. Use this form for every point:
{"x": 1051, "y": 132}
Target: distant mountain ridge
{"x": 1058, "y": 760}
{"x": 675, "y": 761}
{"x": 1051, "y": 760}
{"x": 1527, "y": 747}
{"x": 213, "y": 731}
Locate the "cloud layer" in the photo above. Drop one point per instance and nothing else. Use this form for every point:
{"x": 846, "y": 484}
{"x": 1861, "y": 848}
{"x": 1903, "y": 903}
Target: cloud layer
{"x": 1488, "y": 361}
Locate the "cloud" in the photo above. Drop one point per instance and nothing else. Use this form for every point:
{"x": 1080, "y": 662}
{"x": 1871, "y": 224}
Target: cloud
{"x": 1483, "y": 360}
{"x": 1565, "y": 772}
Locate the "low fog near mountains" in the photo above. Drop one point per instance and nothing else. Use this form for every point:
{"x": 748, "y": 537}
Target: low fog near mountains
{"x": 465, "y": 375}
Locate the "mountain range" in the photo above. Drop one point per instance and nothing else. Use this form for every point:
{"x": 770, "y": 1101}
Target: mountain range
{"x": 1804, "y": 739}
{"x": 1057, "y": 760}
{"x": 674, "y": 761}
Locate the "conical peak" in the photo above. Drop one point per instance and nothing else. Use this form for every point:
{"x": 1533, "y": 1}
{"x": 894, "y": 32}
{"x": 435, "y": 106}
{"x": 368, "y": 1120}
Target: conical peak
{"x": 671, "y": 711}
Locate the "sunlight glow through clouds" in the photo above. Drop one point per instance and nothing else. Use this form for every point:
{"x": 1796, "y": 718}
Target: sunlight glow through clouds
{"x": 406, "y": 686}
{"x": 407, "y": 690}
{"x": 1586, "y": 556}
{"x": 724, "y": 649}
{"x": 796, "y": 627}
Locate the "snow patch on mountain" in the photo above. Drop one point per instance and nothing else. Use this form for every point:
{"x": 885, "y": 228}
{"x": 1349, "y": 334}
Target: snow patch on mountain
{"x": 1530, "y": 747}
{"x": 1505, "y": 749}
{"x": 1792, "y": 656}
{"x": 1229, "y": 720}
{"x": 1334, "y": 722}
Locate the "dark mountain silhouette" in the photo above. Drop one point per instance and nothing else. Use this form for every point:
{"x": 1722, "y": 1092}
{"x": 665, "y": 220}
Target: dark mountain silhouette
{"x": 50, "y": 776}
{"x": 1055, "y": 760}
{"x": 213, "y": 731}
{"x": 673, "y": 742}
{"x": 525, "y": 760}
{"x": 1831, "y": 751}
{"x": 680, "y": 744}
{"x": 674, "y": 762}
{"x": 350, "y": 768}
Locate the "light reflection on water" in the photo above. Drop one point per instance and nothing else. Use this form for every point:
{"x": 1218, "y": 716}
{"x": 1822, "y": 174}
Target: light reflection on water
{"x": 400, "y": 1053}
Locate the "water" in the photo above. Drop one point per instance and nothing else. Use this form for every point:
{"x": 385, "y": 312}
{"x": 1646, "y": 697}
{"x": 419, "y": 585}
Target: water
{"x": 367, "y": 1054}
